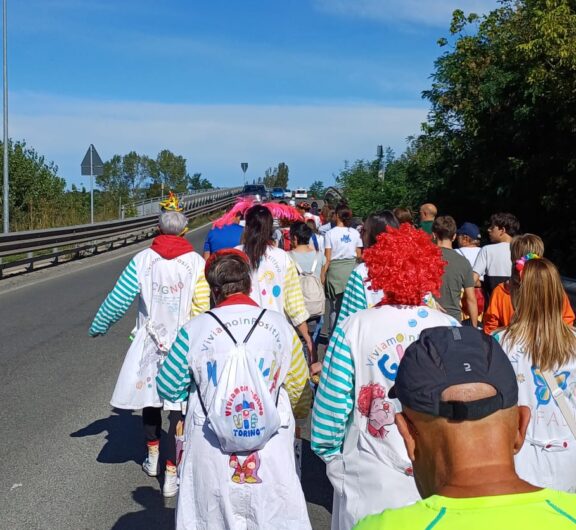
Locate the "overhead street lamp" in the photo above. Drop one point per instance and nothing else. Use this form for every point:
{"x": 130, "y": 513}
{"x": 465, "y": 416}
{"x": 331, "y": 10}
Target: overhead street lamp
{"x": 5, "y": 181}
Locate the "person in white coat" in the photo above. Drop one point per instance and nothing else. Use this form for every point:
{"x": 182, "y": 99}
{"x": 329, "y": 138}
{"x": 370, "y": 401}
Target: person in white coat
{"x": 275, "y": 283}
{"x": 353, "y": 427}
{"x": 537, "y": 342}
{"x": 220, "y": 490}
{"x": 168, "y": 280}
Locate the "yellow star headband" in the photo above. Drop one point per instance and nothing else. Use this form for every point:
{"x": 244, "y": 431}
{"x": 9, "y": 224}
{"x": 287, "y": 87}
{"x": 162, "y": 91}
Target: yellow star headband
{"x": 170, "y": 204}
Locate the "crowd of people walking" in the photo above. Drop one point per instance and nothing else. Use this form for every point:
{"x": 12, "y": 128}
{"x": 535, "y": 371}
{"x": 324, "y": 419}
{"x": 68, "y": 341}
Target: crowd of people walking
{"x": 445, "y": 397}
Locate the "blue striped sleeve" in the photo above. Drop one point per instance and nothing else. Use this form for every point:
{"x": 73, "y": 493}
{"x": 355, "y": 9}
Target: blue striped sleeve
{"x": 117, "y": 302}
{"x": 334, "y": 398}
{"x": 173, "y": 380}
{"x": 354, "y": 297}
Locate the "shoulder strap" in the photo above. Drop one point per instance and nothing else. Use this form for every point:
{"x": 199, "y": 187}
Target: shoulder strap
{"x": 315, "y": 240}
{"x": 297, "y": 265}
{"x": 314, "y": 263}
{"x": 561, "y": 400}
{"x": 224, "y": 327}
{"x": 254, "y": 326}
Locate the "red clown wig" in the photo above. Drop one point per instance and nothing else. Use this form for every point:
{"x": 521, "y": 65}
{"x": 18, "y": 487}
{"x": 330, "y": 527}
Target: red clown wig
{"x": 405, "y": 264}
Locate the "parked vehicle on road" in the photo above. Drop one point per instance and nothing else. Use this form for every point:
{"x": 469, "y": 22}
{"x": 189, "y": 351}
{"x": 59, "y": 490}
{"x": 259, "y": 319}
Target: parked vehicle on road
{"x": 255, "y": 190}
{"x": 301, "y": 193}
{"x": 277, "y": 193}
{"x": 288, "y": 194}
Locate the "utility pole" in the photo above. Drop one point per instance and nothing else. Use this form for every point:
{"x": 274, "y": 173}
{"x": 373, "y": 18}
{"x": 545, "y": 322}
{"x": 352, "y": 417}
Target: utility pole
{"x": 6, "y": 184}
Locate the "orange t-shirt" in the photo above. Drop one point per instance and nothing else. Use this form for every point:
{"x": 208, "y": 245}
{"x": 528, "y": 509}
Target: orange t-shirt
{"x": 500, "y": 310}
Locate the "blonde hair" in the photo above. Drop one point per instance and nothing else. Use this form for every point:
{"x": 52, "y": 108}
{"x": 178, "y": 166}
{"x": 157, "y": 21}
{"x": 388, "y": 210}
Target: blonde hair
{"x": 537, "y": 322}
{"x": 520, "y": 246}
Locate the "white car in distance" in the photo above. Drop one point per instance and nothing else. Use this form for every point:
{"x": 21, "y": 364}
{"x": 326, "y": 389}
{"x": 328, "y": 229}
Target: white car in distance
{"x": 301, "y": 193}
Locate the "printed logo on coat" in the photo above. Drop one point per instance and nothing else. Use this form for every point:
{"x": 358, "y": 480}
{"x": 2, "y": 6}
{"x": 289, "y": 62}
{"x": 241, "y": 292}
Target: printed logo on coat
{"x": 372, "y": 403}
{"x": 245, "y": 407}
{"x": 245, "y": 472}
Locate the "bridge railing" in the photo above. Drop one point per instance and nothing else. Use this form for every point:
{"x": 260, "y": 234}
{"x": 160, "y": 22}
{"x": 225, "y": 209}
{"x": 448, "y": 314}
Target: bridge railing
{"x": 25, "y": 249}
{"x": 188, "y": 200}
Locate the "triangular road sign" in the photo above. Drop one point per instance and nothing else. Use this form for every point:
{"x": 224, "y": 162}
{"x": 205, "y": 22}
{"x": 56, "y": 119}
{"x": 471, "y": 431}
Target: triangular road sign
{"x": 92, "y": 163}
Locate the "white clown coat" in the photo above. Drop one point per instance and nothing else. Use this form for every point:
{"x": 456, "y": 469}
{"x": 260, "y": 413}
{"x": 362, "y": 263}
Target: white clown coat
{"x": 167, "y": 290}
{"x": 548, "y": 456}
{"x": 353, "y": 427}
{"x": 218, "y": 490}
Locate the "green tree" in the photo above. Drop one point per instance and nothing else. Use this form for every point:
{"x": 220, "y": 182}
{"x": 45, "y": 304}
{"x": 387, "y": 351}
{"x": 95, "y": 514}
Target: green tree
{"x": 370, "y": 186}
{"x": 277, "y": 177}
{"x": 282, "y": 175}
{"x": 502, "y": 127}
{"x": 196, "y": 182}
{"x": 36, "y": 190}
{"x": 316, "y": 189}
{"x": 125, "y": 175}
{"x": 168, "y": 172}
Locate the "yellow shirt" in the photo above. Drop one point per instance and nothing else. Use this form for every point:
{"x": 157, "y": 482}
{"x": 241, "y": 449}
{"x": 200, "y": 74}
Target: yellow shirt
{"x": 539, "y": 510}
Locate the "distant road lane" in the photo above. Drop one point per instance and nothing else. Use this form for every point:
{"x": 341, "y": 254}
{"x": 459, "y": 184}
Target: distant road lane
{"x": 68, "y": 461}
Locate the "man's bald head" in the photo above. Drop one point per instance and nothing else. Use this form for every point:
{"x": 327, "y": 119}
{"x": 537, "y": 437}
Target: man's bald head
{"x": 428, "y": 212}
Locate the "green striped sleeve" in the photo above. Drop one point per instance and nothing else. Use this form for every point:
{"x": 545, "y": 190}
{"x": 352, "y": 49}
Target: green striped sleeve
{"x": 173, "y": 380}
{"x": 354, "y": 297}
{"x": 117, "y": 302}
{"x": 334, "y": 398}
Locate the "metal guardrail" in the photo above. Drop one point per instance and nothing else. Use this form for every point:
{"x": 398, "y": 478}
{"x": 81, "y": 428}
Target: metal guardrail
{"x": 19, "y": 249}
{"x": 188, "y": 200}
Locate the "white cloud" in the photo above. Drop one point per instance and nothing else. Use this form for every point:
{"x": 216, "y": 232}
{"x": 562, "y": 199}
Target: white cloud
{"x": 426, "y": 12}
{"x": 314, "y": 140}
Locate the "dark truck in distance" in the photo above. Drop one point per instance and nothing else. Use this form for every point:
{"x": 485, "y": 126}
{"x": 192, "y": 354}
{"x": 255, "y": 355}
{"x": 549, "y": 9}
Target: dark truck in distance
{"x": 255, "y": 190}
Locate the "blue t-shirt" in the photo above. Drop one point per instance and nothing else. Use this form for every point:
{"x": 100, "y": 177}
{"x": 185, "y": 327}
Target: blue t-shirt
{"x": 226, "y": 237}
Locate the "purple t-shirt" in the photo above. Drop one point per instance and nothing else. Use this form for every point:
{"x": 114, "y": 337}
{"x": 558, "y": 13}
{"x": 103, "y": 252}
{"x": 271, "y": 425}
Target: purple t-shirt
{"x": 226, "y": 237}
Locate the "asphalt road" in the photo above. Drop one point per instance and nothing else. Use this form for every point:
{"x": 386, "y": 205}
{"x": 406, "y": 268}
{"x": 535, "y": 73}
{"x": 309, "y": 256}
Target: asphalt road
{"x": 67, "y": 460}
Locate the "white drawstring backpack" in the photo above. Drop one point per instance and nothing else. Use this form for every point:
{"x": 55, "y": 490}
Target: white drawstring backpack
{"x": 242, "y": 413}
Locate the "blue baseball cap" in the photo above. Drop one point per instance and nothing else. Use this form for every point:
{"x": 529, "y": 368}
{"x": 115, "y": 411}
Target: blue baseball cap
{"x": 446, "y": 356}
{"x": 469, "y": 229}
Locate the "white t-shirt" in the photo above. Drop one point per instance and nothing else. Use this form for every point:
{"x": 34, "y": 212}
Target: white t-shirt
{"x": 494, "y": 260}
{"x": 343, "y": 241}
{"x": 470, "y": 253}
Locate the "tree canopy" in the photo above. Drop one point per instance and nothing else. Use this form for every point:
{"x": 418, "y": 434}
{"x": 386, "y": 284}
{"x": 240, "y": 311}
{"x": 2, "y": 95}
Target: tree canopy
{"x": 36, "y": 191}
{"x": 277, "y": 177}
{"x": 501, "y": 130}
{"x": 502, "y": 126}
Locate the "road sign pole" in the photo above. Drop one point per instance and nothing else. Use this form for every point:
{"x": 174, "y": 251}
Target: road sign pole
{"x": 92, "y": 166}
{"x": 91, "y": 187}
{"x": 6, "y": 189}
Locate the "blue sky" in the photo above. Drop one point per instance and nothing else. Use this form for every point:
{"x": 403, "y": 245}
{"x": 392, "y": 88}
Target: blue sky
{"x": 309, "y": 82}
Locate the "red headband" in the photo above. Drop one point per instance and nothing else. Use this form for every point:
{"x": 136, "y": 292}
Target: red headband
{"x": 221, "y": 253}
